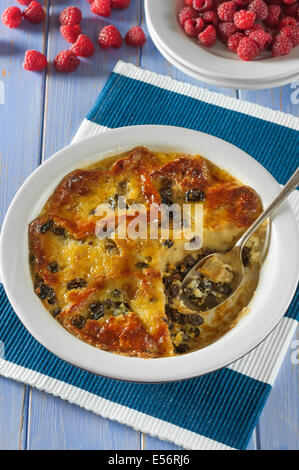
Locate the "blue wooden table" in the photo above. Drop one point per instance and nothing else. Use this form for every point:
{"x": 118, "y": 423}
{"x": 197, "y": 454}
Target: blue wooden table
{"x": 40, "y": 115}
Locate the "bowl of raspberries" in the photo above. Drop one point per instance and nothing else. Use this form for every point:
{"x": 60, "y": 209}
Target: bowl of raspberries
{"x": 250, "y": 44}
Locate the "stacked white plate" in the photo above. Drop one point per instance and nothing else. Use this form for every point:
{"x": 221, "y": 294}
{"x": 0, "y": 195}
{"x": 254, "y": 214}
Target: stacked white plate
{"x": 216, "y": 64}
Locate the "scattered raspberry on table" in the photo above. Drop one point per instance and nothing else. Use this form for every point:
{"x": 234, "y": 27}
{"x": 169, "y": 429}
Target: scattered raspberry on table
{"x": 12, "y": 17}
{"x": 66, "y": 61}
{"x": 71, "y": 16}
{"x": 34, "y": 61}
{"x": 246, "y": 27}
{"x": 34, "y": 13}
{"x": 70, "y": 33}
{"x": 135, "y": 37}
{"x": 101, "y": 7}
{"x": 110, "y": 36}
{"x": 83, "y": 47}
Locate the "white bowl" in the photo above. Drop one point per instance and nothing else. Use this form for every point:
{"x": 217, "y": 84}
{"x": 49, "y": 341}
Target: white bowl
{"x": 275, "y": 290}
{"x": 257, "y": 85}
{"x": 219, "y": 65}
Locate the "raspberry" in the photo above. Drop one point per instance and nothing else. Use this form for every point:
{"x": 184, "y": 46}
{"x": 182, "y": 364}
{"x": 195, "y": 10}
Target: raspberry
{"x": 194, "y": 26}
{"x": 24, "y": 2}
{"x": 135, "y": 37}
{"x": 292, "y": 10}
{"x": 226, "y": 11}
{"x": 274, "y": 15}
{"x": 225, "y": 30}
{"x": 244, "y": 19}
{"x": 34, "y": 61}
{"x": 260, "y": 8}
{"x": 208, "y": 36}
{"x": 120, "y": 4}
{"x": 210, "y": 17}
{"x": 281, "y": 46}
{"x": 70, "y": 16}
{"x": 262, "y": 39}
{"x": 34, "y": 13}
{"x": 83, "y": 47}
{"x": 12, "y": 17}
{"x": 287, "y": 21}
{"x": 292, "y": 33}
{"x": 255, "y": 27}
{"x": 187, "y": 13}
{"x": 101, "y": 7}
{"x": 233, "y": 41}
{"x": 289, "y": 2}
{"x": 66, "y": 61}
{"x": 70, "y": 33}
{"x": 202, "y": 5}
{"x": 109, "y": 36}
{"x": 188, "y": 3}
{"x": 247, "y": 49}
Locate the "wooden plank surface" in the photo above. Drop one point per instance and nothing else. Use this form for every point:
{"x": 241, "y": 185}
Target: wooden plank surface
{"x": 40, "y": 115}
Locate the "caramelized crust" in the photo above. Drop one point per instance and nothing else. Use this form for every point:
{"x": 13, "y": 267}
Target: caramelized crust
{"x": 110, "y": 293}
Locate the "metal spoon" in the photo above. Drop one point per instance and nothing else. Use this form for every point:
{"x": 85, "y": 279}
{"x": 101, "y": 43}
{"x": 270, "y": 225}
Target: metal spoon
{"x": 233, "y": 257}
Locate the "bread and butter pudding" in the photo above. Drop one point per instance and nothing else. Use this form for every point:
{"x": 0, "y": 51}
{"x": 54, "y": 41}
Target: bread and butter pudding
{"x": 122, "y": 294}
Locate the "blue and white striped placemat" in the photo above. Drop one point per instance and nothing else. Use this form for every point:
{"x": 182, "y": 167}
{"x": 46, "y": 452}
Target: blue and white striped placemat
{"x": 219, "y": 410}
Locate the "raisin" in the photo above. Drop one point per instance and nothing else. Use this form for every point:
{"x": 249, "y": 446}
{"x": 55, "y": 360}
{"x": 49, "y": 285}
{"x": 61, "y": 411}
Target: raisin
{"x": 175, "y": 315}
{"x": 195, "y": 195}
{"x": 59, "y": 231}
{"x": 53, "y": 267}
{"x": 31, "y": 258}
{"x": 246, "y": 256}
{"x": 47, "y": 226}
{"x": 210, "y": 302}
{"x": 174, "y": 290}
{"x": 97, "y": 310}
{"x": 189, "y": 262}
{"x": 78, "y": 321}
{"x": 141, "y": 265}
{"x": 52, "y": 296}
{"x": 76, "y": 283}
{"x": 182, "y": 348}
{"x": 43, "y": 291}
{"x": 168, "y": 243}
{"x": 195, "y": 331}
{"x": 194, "y": 320}
{"x": 166, "y": 193}
{"x": 223, "y": 288}
{"x": 56, "y": 312}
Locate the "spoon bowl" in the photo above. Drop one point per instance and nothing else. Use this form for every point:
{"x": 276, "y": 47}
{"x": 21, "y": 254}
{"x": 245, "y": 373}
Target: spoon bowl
{"x": 231, "y": 260}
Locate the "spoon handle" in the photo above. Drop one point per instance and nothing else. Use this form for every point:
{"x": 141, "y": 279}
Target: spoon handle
{"x": 286, "y": 190}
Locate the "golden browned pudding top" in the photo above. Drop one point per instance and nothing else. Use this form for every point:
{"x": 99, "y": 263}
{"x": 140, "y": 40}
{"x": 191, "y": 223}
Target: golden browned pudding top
{"x": 122, "y": 295}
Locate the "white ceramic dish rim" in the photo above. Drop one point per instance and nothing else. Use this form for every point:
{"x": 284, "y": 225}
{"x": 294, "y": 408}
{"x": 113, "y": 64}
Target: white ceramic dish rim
{"x": 215, "y": 62}
{"x": 271, "y": 300}
{"x": 218, "y": 81}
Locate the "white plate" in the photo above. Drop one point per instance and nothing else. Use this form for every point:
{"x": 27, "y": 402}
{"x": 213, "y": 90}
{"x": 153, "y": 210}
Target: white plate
{"x": 218, "y": 81}
{"x": 275, "y": 290}
{"x": 216, "y": 62}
